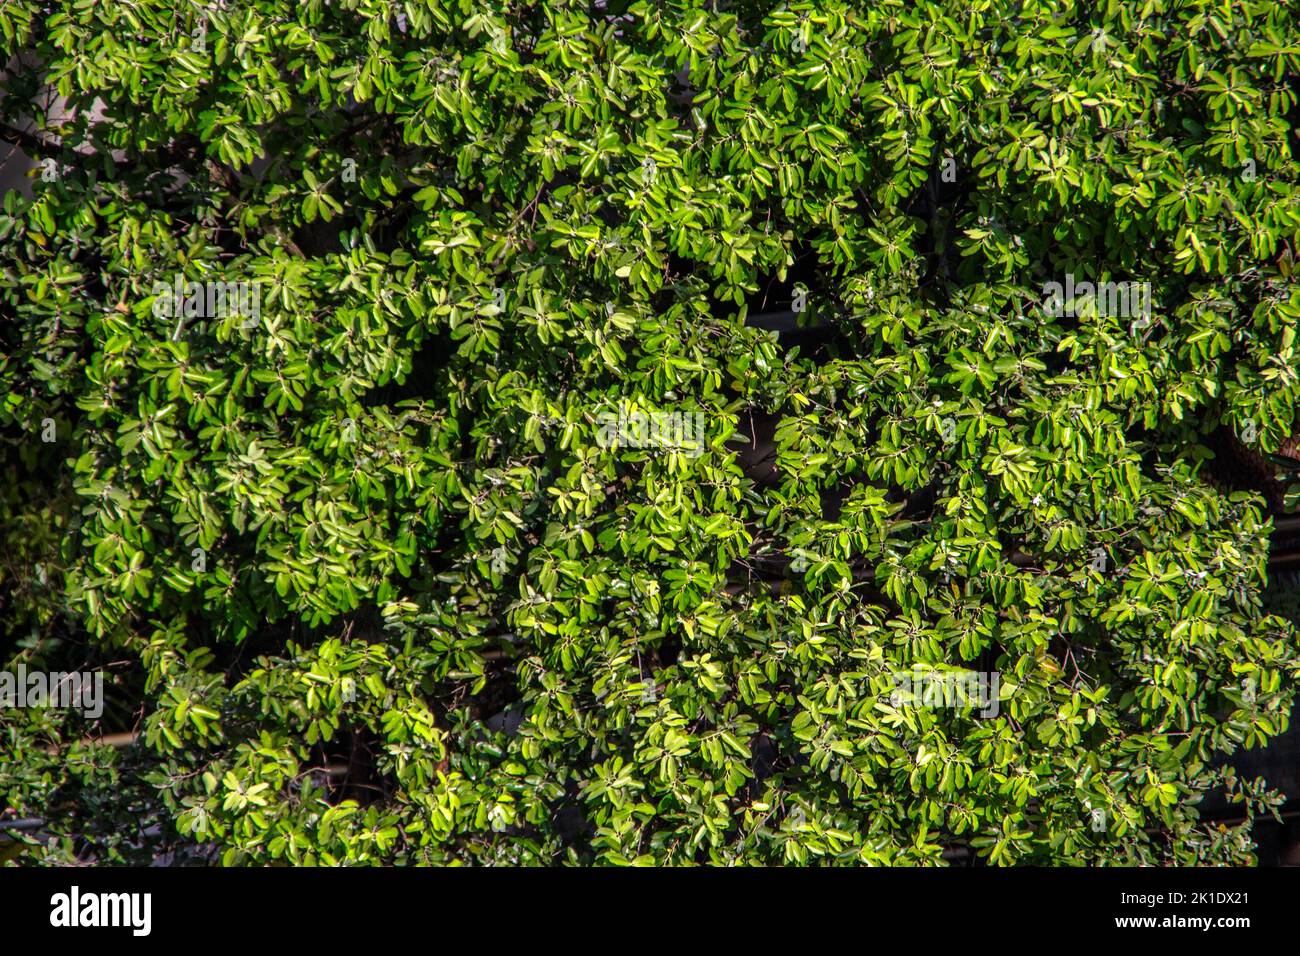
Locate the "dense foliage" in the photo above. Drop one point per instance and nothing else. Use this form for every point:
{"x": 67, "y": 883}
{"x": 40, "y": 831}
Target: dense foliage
{"x": 370, "y": 581}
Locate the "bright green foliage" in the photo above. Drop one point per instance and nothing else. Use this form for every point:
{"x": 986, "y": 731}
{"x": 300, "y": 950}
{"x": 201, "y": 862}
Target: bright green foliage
{"x": 376, "y": 526}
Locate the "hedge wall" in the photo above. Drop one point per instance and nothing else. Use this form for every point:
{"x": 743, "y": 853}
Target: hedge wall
{"x": 392, "y": 413}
